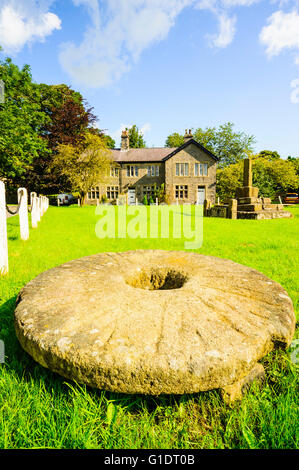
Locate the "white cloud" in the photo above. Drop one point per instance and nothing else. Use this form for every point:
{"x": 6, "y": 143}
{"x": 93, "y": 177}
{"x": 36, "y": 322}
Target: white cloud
{"x": 120, "y": 31}
{"x": 239, "y": 3}
{"x": 227, "y": 30}
{"x": 295, "y": 92}
{"x": 146, "y": 128}
{"x": 227, "y": 21}
{"x": 24, "y": 22}
{"x": 281, "y": 32}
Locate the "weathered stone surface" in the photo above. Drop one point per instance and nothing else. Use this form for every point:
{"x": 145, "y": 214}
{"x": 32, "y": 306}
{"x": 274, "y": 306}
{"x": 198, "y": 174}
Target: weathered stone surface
{"x": 252, "y": 207}
{"x": 153, "y": 322}
{"x": 247, "y": 192}
{"x": 234, "y": 392}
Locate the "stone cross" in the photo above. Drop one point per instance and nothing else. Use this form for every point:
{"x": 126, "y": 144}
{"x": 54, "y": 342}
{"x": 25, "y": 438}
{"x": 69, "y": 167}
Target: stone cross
{"x": 247, "y": 177}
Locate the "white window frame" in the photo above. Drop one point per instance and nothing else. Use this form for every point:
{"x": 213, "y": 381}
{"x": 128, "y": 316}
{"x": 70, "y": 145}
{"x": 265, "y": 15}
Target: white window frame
{"x": 182, "y": 169}
{"x": 132, "y": 171}
{"x": 153, "y": 170}
{"x": 201, "y": 169}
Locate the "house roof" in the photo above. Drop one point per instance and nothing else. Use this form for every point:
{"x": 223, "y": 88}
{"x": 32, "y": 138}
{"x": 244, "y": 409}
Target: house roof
{"x": 190, "y": 141}
{"x": 141, "y": 155}
{"x": 149, "y": 155}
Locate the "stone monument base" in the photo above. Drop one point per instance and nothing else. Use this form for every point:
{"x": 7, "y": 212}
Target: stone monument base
{"x": 255, "y": 208}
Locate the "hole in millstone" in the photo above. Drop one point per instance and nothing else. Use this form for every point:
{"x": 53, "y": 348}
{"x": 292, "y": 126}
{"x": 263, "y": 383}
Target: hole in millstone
{"x": 158, "y": 279}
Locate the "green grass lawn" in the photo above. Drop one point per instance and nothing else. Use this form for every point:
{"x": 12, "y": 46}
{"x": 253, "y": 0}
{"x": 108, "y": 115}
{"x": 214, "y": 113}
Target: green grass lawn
{"x": 41, "y": 409}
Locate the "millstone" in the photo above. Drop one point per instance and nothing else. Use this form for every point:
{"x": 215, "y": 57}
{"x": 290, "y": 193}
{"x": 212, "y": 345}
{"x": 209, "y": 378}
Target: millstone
{"x": 154, "y": 322}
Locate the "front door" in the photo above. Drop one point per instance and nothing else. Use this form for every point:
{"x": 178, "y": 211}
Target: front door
{"x": 201, "y": 194}
{"x": 131, "y": 196}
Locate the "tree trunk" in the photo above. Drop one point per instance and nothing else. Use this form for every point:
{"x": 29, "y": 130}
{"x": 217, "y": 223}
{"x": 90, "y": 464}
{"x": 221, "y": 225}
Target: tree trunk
{"x": 83, "y": 199}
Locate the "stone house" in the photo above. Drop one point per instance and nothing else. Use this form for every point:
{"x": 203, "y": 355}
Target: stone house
{"x": 187, "y": 172}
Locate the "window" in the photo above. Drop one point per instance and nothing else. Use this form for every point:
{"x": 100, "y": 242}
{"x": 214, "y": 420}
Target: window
{"x": 94, "y": 193}
{"x": 201, "y": 169}
{"x": 182, "y": 169}
{"x": 132, "y": 171}
{"x": 114, "y": 171}
{"x": 112, "y": 192}
{"x": 149, "y": 191}
{"x": 181, "y": 192}
{"x": 153, "y": 170}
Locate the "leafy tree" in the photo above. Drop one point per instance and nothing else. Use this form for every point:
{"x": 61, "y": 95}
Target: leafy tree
{"x": 68, "y": 117}
{"x": 174, "y": 140}
{"x": 270, "y": 176}
{"x": 295, "y": 163}
{"x": 145, "y": 201}
{"x": 109, "y": 141}
{"x": 229, "y": 146}
{"x": 136, "y": 137}
{"x": 159, "y": 192}
{"x": 269, "y": 155}
{"x": 85, "y": 165}
{"x": 228, "y": 180}
{"x": 282, "y": 174}
{"x": 67, "y": 121}
{"x": 21, "y": 122}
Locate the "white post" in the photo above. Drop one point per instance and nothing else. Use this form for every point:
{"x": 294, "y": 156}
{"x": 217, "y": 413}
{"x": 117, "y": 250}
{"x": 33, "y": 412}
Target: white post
{"x": 98, "y": 202}
{"x": 79, "y": 202}
{"x": 280, "y": 201}
{"x": 34, "y": 211}
{"x": 117, "y": 202}
{"x": 44, "y": 204}
{"x": 32, "y": 194}
{"x": 58, "y": 202}
{"x": 3, "y": 232}
{"x": 218, "y": 201}
{"x": 38, "y": 212}
{"x": 177, "y": 202}
{"x": 23, "y": 213}
{"x": 157, "y": 201}
{"x": 40, "y": 207}
{"x": 136, "y": 202}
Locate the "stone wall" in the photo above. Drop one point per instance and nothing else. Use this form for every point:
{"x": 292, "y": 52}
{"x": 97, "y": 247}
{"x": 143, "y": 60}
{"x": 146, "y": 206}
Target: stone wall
{"x": 167, "y": 175}
{"x": 142, "y": 179}
{"x": 191, "y": 154}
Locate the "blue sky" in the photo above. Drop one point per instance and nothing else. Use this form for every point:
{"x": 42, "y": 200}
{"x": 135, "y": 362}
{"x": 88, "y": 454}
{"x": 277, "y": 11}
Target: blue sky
{"x": 168, "y": 65}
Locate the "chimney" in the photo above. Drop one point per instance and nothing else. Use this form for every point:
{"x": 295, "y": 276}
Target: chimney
{"x": 125, "y": 141}
{"x": 188, "y": 135}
